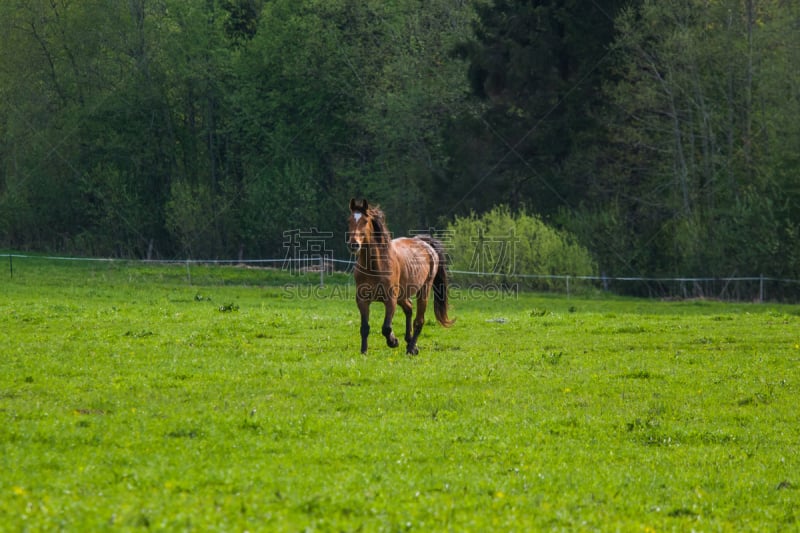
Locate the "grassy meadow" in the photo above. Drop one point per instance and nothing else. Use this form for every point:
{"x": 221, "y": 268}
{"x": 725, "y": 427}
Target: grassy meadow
{"x": 167, "y": 397}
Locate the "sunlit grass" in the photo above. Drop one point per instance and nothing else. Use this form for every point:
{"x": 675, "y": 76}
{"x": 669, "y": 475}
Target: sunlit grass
{"x": 131, "y": 398}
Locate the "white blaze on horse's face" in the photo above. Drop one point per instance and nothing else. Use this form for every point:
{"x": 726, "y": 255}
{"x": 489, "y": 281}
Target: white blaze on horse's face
{"x": 355, "y": 236}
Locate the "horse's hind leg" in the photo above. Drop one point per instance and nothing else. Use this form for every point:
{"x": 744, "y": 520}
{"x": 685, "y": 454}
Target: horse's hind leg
{"x": 419, "y": 321}
{"x": 391, "y": 340}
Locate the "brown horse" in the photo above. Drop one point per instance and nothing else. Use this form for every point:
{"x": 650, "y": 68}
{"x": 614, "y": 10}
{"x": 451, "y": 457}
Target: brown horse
{"x": 393, "y": 271}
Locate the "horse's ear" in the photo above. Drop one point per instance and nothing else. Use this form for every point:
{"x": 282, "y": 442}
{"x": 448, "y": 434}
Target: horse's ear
{"x": 355, "y": 207}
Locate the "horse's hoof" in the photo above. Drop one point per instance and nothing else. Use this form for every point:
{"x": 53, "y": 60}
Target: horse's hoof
{"x": 393, "y": 343}
{"x": 412, "y": 351}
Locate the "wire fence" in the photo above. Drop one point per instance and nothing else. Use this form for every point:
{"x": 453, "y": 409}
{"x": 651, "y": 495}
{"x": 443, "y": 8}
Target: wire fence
{"x": 759, "y": 288}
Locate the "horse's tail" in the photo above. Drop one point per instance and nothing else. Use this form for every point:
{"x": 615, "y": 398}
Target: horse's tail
{"x": 439, "y": 282}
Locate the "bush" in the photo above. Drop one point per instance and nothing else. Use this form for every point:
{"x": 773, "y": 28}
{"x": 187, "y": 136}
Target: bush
{"x": 511, "y": 249}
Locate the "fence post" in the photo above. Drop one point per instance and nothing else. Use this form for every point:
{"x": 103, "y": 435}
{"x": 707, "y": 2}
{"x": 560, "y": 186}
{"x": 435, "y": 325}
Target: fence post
{"x": 761, "y": 289}
{"x": 11, "y": 266}
{"x": 568, "y": 287}
{"x": 321, "y": 271}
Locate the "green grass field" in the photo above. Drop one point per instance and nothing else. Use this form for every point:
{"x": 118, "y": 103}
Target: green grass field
{"x": 131, "y": 399}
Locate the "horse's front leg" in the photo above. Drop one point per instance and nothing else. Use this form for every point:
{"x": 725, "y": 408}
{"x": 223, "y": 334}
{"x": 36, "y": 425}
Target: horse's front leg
{"x": 363, "y": 308}
{"x": 391, "y": 340}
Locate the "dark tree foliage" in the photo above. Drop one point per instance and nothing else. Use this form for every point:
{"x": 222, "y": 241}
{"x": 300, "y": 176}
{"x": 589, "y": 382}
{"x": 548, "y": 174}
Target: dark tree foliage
{"x": 242, "y": 22}
{"x": 538, "y": 67}
{"x": 662, "y": 134}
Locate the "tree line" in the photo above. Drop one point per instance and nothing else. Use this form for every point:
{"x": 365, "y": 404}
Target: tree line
{"x": 662, "y": 135}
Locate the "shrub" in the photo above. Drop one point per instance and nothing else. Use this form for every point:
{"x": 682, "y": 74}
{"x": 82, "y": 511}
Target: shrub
{"x": 508, "y": 248}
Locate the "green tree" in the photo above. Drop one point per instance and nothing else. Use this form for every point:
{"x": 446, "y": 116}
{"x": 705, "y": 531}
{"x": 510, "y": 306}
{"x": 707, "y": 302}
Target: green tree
{"x": 141, "y": 128}
{"x": 418, "y": 90}
{"x": 355, "y": 94}
{"x": 44, "y": 83}
{"x": 690, "y": 182}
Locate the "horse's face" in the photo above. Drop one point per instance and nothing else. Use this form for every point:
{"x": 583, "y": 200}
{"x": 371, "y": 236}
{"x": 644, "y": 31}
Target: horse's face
{"x": 358, "y": 230}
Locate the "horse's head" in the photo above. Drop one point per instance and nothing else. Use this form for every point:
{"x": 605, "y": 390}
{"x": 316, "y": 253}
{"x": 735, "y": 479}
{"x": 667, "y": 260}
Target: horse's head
{"x": 359, "y": 228}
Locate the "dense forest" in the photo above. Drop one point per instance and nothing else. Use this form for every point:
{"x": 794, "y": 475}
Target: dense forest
{"x": 663, "y": 135}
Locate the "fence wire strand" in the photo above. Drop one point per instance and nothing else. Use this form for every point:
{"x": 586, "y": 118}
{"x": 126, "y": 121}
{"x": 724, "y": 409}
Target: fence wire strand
{"x": 757, "y": 288}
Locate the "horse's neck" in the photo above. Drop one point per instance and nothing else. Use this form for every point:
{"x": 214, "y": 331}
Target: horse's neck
{"x": 375, "y": 258}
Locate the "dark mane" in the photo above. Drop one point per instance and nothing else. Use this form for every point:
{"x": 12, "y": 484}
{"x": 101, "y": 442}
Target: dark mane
{"x": 378, "y": 219}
